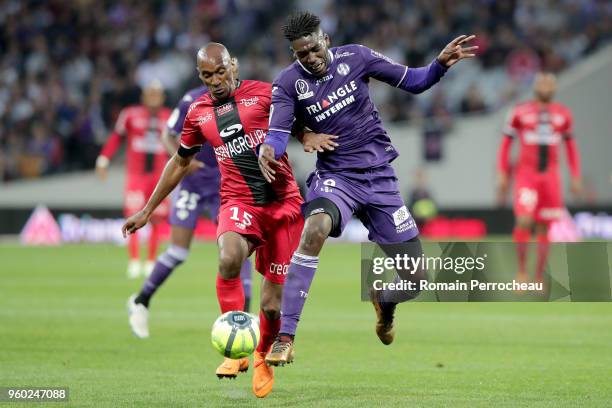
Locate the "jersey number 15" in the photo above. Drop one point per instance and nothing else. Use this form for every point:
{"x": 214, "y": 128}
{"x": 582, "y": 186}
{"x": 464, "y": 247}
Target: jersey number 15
{"x": 246, "y": 217}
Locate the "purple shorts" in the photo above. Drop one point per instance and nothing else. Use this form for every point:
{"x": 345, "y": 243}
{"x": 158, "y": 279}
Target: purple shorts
{"x": 188, "y": 204}
{"x": 372, "y": 196}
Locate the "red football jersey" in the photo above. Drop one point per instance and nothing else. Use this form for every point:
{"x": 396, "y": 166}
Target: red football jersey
{"x": 145, "y": 152}
{"x": 540, "y": 128}
{"x": 234, "y": 128}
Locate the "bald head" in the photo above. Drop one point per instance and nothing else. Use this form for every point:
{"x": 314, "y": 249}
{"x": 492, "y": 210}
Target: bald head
{"x": 217, "y": 70}
{"x": 214, "y": 53}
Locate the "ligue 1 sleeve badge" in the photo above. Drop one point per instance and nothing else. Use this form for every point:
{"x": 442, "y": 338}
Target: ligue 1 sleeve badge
{"x": 343, "y": 69}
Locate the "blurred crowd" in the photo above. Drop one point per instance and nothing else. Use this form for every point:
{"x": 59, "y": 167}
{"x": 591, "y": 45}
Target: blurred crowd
{"x": 68, "y": 67}
{"x": 516, "y": 39}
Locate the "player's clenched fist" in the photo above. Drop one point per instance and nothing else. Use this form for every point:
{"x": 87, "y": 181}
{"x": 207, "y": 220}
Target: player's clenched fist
{"x": 135, "y": 222}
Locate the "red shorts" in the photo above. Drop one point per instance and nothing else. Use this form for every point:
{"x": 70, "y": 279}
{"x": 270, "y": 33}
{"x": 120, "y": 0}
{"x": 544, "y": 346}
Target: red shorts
{"x": 138, "y": 189}
{"x": 275, "y": 229}
{"x": 538, "y": 196}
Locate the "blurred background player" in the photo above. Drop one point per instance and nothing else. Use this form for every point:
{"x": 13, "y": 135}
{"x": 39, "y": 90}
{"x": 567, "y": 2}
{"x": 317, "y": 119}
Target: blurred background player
{"x": 255, "y": 215}
{"x": 420, "y": 200}
{"x": 141, "y": 127}
{"x": 540, "y": 125}
{"x": 198, "y": 192}
{"x": 329, "y": 90}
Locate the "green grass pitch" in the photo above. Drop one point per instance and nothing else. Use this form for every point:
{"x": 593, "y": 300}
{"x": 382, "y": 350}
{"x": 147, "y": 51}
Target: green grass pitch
{"x": 63, "y": 323}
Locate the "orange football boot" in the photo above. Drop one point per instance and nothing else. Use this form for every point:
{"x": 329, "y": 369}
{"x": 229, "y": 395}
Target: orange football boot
{"x": 263, "y": 376}
{"x": 230, "y": 368}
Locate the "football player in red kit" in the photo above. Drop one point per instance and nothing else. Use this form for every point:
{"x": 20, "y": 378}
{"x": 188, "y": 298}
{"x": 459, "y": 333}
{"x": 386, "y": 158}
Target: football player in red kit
{"x": 141, "y": 127}
{"x": 540, "y": 126}
{"x": 255, "y": 215}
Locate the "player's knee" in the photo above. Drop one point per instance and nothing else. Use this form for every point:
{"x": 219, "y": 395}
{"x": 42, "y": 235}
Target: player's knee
{"x": 229, "y": 264}
{"x": 316, "y": 231}
{"x": 271, "y": 302}
{"x": 271, "y": 310}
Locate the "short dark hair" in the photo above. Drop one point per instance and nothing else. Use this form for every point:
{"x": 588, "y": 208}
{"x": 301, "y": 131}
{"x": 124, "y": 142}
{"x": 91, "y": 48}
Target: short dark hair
{"x": 300, "y": 24}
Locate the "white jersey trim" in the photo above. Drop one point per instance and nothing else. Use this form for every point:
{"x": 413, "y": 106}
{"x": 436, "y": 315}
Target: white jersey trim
{"x": 403, "y": 76}
{"x": 280, "y": 130}
{"x": 190, "y": 147}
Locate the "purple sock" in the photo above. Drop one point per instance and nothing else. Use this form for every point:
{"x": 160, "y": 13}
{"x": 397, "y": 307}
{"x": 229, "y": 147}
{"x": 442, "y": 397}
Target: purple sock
{"x": 165, "y": 264}
{"x": 245, "y": 277}
{"x": 295, "y": 291}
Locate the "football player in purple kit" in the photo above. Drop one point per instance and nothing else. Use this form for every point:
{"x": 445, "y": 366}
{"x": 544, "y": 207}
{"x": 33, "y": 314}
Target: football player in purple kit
{"x": 327, "y": 89}
{"x": 197, "y": 193}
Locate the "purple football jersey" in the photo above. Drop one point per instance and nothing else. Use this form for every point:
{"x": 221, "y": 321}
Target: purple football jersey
{"x": 339, "y": 103}
{"x": 205, "y": 181}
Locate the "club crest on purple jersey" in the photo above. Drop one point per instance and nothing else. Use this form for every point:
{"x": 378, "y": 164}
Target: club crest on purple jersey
{"x": 302, "y": 89}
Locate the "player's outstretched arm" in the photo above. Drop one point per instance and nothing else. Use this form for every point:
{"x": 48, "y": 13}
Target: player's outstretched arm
{"x": 455, "y": 52}
{"x": 176, "y": 168}
{"x": 420, "y": 79}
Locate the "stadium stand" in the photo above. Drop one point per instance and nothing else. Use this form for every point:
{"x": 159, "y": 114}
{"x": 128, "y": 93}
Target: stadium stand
{"x": 67, "y": 68}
